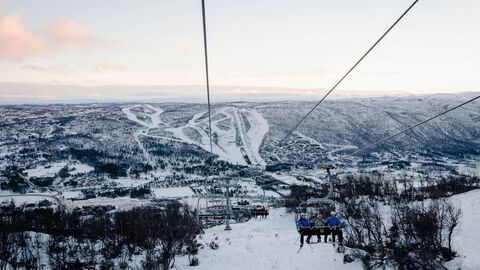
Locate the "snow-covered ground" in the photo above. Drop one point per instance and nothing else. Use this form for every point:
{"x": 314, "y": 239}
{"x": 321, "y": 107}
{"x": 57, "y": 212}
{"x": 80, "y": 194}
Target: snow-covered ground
{"x": 68, "y": 195}
{"x": 27, "y": 198}
{"x": 265, "y": 244}
{"x": 288, "y": 179}
{"x": 466, "y": 239}
{"x": 473, "y": 170}
{"x": 175, "y": 192}
{"x": 47, "y": 170}
{"x": 80, "y": 168}
{"x": 50, "y": 170}
{"x": 130, "y": 182}
{"x": 123, "y": 203}
{"x": 269, "y": 244}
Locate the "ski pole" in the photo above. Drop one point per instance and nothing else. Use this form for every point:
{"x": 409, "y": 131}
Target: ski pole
{"x": 297, "y": 240}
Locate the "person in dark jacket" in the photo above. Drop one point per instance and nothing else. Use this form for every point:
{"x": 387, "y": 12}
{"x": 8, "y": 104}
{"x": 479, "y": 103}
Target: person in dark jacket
{"x": 304, "y": 228}
{"x": 335, "y": 225}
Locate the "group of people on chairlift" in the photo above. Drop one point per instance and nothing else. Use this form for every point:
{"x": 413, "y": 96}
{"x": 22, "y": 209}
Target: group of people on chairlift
{"x": 318, "y": 225}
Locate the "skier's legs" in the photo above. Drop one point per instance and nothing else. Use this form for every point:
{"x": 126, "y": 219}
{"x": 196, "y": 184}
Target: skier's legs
{"x": 302, "y": 234}
{"x": 326, "y": 232}
{"x": 319, "y": 235}
{"x": 335, "y": 232}
{"x": 309, "y": 236}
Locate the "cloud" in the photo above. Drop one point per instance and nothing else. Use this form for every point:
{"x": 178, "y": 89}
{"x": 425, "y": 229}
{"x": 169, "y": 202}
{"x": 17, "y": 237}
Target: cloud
{"x": 18, "y": 43}
{"x": 109, "y": 67}
{"x": 59, "y": 69}
{"x": 69, "y": 33}
{"x": 293, "y": 73}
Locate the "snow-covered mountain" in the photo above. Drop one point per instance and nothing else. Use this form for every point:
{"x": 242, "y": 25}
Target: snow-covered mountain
{"x": 360, "y": 122}
{"x": 243, "y": 133}
{"x": 248, "y": 133}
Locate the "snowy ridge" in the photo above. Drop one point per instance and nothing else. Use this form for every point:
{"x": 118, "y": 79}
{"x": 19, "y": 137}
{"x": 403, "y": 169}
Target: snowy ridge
{"x": 359, "y": 122}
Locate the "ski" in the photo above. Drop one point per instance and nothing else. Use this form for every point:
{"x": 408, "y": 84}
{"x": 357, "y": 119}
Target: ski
{"x": 341, "y": 248}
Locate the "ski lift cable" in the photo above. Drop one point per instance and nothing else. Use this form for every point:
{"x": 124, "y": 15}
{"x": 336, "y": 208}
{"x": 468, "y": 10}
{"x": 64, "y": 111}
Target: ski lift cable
{"x": 207, "y": 84}
{"x": 414, "y": 126}
{"x": 349, "y": 71}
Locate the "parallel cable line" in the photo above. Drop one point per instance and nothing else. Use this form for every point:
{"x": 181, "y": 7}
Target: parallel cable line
{"x": 349, "y": 71}
{"x": 414, "y": 126}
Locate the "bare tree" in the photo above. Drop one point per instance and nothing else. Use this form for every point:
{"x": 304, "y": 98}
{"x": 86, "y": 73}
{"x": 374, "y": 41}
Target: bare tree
{"x": 419, "y": 235}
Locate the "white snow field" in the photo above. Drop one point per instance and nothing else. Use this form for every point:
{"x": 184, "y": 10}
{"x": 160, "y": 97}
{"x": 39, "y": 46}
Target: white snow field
{"x": 174, "y": 192}
{"x": 466, "y": 239}
{"x": 27, "y": 198}
{"x": 130, "y": 182}
{"x": 43, "y": 171}
{"x": 265, "y": 244}
{"x": 238, "y": 134}
{"x": 288, "y": 179}
{"x": 50, "y": 170}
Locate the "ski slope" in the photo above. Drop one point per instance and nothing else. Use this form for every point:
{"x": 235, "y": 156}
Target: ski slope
{"x": 154, "y": 122}
{"x": 265, "y": 244}
{"x": 237, "y": 134}
{"x": 154, "y": 117}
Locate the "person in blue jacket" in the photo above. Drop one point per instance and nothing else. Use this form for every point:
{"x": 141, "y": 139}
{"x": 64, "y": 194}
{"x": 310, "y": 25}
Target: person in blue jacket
{"x": 304, "y": 228}
{"x": 335, "y": 225}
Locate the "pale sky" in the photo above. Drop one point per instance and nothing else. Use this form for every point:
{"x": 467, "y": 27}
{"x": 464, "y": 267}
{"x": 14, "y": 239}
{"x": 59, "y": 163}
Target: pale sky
{"x": 259, "y": 43}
